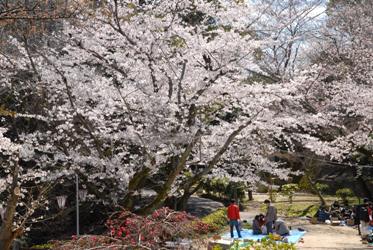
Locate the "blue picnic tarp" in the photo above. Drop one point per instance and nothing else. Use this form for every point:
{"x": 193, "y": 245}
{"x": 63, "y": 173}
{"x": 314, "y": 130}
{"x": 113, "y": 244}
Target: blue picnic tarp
{"x": 294, "y": 237}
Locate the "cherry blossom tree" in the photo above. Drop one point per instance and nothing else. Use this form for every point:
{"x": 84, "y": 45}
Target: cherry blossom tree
{"x": 151, "y": 84}
{"x": 136, "y": 94}
{"x": 165, "y": 74}
{"x": 291, "y": 25}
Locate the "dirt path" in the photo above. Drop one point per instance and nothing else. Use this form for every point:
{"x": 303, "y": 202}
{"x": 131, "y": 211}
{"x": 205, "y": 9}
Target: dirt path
{"x": 322, "y": 236}
{"x": 318, "y": 236}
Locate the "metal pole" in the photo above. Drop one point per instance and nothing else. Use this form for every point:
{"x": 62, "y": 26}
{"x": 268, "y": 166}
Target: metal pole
{"x": 77, "y": 204}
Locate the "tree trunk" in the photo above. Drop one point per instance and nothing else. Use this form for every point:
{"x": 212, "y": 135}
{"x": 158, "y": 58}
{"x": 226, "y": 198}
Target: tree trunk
{"x": 196, "y": 179}
{"x": 162, "y": 194}
{"x": 6, "y": 241}
{"x": 134, "y": 184}
{"x": 250, "y": 195}
{"x": 7, "y": 235}
{"x": 313, "y": 187}
{"x": 309, "y": 168}
{"x": 183, "y": 202}
{"x": 270, "y": 190}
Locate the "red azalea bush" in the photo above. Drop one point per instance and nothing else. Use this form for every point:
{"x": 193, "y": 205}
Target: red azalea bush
{"x": 131, "y": 231}
{"x": 162, "y": 225}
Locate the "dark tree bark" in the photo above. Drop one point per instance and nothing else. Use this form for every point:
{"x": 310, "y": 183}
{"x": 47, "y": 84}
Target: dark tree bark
{"x": 7, "y": 234}
{"x": 194, "y": 183}
{"x": 163, "y": 193}
{"x": 250, "y": 195}
{"x": 135, "y": 183}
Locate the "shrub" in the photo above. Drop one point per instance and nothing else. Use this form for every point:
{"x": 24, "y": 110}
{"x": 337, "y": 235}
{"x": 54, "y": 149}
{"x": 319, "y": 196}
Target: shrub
{"x": 43, "y": 246}
{"x": 344, "y": 193}
{"x": 217, "y": 219}
{"x": 235, "y": 190}
{"x": 162, "y": 225}
{"x": 261, "y": 188}
{"x": 266, "y": 243}
{"x": 289, "y": 190}
{"x": 223, "y": 189}
{"x": 130, "y": 231}
{"x": 322, "y": 187}
{"x": 215, "y": 186}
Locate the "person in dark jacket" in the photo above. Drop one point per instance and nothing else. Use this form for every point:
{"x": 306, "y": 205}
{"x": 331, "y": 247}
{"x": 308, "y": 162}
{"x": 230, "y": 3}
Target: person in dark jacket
{"x": 322, "y": 215}
{"x": 271, "y": 216}
{"x": 362, "y": 218}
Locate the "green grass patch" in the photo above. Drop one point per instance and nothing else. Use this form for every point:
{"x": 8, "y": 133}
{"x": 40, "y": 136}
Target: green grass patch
{"x": 297, "y": 209}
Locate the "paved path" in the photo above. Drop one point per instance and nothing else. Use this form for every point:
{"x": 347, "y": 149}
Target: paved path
{"x": 319, "y": 236}
{"x": 200, "y": 207}
{"x": 322, "y": 237}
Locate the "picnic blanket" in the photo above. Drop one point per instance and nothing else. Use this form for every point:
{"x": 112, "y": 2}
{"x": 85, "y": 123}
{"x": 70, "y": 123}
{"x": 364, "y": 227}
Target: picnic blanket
{"x": 294, "y": 237}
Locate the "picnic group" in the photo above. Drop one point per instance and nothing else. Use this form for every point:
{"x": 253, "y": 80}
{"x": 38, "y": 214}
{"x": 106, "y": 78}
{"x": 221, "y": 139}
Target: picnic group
{"x": 360, "y": 216}
{"x": 262, "y": 224}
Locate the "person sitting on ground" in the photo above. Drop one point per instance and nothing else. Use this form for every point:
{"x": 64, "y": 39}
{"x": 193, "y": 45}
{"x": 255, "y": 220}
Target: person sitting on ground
{"x": 335, "y": 206}
{"x": 233, "y": 213}
{"x": 257, "y": 229}
{"x": 271, "y": 216}
{"x": 370, "y": 213}
{"x": 262, "y": 222}
{"x": 335, "y": 210}
{"x": 322, "y": 215}
{"x": 281, "y": 228}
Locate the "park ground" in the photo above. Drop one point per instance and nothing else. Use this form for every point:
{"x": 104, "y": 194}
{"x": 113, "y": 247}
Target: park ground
{"x": 318, "y": 236}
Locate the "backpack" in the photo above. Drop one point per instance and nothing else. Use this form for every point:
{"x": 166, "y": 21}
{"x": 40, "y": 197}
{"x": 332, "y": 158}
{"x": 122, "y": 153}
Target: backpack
{"x": 363, "y": 214}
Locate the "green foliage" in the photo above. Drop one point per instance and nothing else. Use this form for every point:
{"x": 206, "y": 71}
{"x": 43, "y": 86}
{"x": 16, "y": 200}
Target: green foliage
{"x": 235, "y": 190}
{"x": 289, "y": 190}
{"x": 344, "y": 193}
{"x": 273, "y": 196}
{"x": 217, "y": 247}
{"x": 304, "y": 184}
{"x": 322, "y": 187}
{"x": 178, "y": 41}
{"x": 43, "y": 246}
{"x": 266, "y": 243}
{"x": 261, "y": 188}
{"x": 215, "y": 186}
{"x": 222, "y": 188}
{"x": 217, "y": 219}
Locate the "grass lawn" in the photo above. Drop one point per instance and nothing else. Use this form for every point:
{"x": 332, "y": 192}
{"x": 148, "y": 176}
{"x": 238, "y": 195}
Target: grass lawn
{"x": 303, "y": 204}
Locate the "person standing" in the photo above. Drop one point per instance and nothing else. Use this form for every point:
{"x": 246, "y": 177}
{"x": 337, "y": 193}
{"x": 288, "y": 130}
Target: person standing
{"x": 363, "y": 218}
{"x": 271, "y": 216}
{"x": 233, "y": 213}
